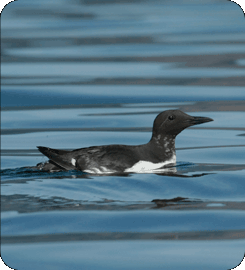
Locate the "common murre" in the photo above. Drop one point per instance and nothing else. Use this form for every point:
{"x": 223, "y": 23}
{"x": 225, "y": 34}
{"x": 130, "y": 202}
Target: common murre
{"x": 158, "y": 153}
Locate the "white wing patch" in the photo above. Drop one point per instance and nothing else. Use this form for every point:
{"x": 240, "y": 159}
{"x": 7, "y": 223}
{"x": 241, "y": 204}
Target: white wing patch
{"x": 73, "y": 161}
{"x": 100, "y": 170}
{"x": 149, "y": 167}
{"x": 139, "y": 167}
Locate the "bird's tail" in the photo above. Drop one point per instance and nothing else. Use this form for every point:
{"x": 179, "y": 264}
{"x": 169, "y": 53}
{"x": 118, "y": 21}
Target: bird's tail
{"x": 60, "y": 157}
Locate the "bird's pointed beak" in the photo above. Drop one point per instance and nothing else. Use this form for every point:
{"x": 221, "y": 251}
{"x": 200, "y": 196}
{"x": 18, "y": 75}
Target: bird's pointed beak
{"x": 196, "y": 120}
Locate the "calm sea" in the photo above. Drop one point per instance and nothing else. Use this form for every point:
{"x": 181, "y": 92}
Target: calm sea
{"x": 93, "y": 72}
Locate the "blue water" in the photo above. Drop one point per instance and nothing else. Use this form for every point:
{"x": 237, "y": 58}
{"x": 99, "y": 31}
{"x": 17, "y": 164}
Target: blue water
{"x": 83, "y": 73}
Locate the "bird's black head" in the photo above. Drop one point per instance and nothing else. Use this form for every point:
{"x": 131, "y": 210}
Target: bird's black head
{"x": 172, "y": 122}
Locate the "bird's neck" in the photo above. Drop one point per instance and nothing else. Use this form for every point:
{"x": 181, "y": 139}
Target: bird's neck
{"x": 163, "y": 145}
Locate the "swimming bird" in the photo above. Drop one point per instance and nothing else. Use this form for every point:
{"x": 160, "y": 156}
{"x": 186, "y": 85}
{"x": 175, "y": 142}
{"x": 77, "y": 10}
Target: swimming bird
{"x": 158, "y": 153}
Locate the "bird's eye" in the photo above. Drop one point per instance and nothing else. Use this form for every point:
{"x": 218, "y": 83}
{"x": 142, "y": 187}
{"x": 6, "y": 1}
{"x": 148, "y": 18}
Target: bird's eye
{"x": 171, "y": 117}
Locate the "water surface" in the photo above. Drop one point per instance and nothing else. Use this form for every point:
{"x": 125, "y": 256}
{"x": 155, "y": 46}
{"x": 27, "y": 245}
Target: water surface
{"x": 83, "y": 73}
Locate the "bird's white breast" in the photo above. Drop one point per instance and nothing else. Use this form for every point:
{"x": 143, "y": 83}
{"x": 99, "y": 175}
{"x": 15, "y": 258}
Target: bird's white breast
{"x": 149, "y": 167}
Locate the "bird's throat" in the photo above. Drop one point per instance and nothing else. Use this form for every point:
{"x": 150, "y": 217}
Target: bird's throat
{"x": 163, "y": 146}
